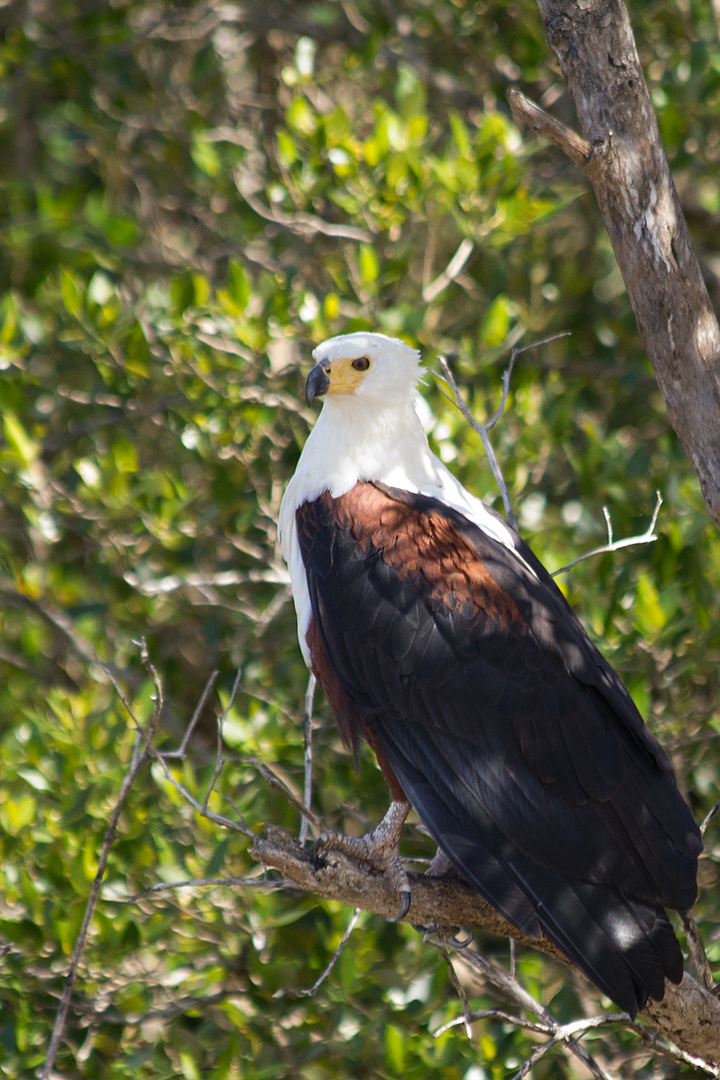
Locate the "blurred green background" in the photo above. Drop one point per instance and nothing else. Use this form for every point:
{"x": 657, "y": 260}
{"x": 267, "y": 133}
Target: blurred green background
{"x": 192, "y": 195}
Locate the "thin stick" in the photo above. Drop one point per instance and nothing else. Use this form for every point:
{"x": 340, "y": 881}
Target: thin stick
{"x": 510, "y": 985}
{"x": 240, "y": 826}
{"x": 542, "y": 123}
{"x": 180, "y": 752}
{"x": 467, "y": 1017}
{"x": 138, "y": 760}
{"x": 307, "y": 795}
{"x": 278, "y": 784}
{"x": 494, "y": 1014}
{"x": 164, "y": 886}
{"x": 648, "y": 537}
{"x": 697, "y": 950}
{"x": 336, "y": 956}
{"x": 565, "y": 1033}
{"x": 483, "y": 429}
{"x": 219, "y": 759}
{"x": 451, "y": 271}
{"x": 708, "y": 817}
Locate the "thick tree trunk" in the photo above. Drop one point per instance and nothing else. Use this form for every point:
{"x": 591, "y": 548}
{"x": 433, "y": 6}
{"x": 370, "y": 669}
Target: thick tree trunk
{"x": 624, "y": 160}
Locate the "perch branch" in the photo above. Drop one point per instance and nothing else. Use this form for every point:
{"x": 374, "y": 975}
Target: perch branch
{"x": 688, "y": 1016}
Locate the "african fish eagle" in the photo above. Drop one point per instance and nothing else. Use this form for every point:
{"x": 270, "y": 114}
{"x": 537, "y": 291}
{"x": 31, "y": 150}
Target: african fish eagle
{"x": 439, "y": 637}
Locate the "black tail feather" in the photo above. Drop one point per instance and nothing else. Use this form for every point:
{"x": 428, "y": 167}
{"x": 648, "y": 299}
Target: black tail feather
{"x": 625, "y": 946}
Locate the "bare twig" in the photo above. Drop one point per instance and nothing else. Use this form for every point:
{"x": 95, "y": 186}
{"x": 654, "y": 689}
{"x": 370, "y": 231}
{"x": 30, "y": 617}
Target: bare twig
{"x": 493, "y": 1014}
{"x": 542, "y": 123}
{"x": 307, "y": 794}
{"x": 451, "y": 271}
{"x": 648, "y": 537}
{"x": 697, "y": 950}
{"x": 180, "y": 752}
{"x": 336, "y": 956}
{"x": 59, "y": 620}
{"x": 304, "y": 224}
{"x": 467, "y": 1017}
{"x": 238, "y": 826}
{"x": 141, "y": 753}
{"x": 219, "y": 759}
{"x": 277, "y": 784}
{"x": 510, "y": 985}
{"x": 164, "y": 886}
{"x": 567, "y": 1033}
{"x": 257, "y": 882}
{"x": 483, "y": 429}
{"x": 709, "y": 816}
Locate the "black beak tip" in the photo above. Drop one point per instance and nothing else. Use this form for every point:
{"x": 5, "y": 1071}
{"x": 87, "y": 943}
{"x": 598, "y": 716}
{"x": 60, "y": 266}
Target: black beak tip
{"x": 318, "y": 383}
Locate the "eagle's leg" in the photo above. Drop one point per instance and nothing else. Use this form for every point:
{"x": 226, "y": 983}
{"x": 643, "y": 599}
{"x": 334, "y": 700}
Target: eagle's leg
{"x": 380, "y": 848}
{"x": 441, "y": 865}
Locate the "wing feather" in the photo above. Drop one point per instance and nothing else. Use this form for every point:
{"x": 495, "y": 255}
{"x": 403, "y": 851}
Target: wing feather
{"x": 517, "y": 744}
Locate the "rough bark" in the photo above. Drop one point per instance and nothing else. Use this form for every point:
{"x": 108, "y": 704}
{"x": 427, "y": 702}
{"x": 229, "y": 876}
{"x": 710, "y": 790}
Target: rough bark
{"x": 689, "y": 1015}
{"x": 625, "y": 163}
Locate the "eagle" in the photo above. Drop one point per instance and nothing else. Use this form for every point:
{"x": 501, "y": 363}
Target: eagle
{"x": 439, "y": 638}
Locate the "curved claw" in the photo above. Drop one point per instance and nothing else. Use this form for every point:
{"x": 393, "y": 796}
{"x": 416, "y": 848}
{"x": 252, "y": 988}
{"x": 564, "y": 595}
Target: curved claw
{"x": 404, "y": 905}
{"x": 378, "y": 848}
{"x": 461, "y": 944}
{"x": 317, "y": 855}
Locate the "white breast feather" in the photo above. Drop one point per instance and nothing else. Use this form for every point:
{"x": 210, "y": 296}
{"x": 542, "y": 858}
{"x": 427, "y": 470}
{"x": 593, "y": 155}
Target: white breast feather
{"x": 343, "y": 449}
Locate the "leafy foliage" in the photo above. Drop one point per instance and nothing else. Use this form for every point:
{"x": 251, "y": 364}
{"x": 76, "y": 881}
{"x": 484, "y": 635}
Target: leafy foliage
{"x": 191, "y": 196}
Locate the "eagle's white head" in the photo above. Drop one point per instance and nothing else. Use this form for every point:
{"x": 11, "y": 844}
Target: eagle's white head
{"x": 378, "y": 370}
{"x": 368, "y": 430}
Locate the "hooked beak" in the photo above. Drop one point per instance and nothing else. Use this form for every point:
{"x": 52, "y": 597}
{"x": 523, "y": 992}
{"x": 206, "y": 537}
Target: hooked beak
{"x": 318, "y": 383}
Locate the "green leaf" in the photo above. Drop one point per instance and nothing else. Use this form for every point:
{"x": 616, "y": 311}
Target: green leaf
{"x": 206, "y": 157}
{"x": 395, "y": 1048}
{"x": 72, "y": 292}
{"x": 369, "y": 266}
{"x": 17, "y": 437}
{"x": 125, "y": 456}
{"x": 495, "y": 326}
{"x": 410, "y": 91}
{"x": 16, "y": 813}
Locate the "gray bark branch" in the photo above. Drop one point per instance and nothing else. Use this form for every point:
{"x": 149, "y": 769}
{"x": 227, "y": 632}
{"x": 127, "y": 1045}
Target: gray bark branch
{"x": 688, "y": 1015}
{"x": 630, "y": 175}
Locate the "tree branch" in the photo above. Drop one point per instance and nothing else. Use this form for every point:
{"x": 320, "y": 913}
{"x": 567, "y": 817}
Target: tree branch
{"x": 527, "y": 112}
{"x": 483, "y": 429}
{"x": 688, "y": 1016}
{"x": 141, "y": 754}
{"x": 630, "y": 176}
{"x": 648, "y": 537}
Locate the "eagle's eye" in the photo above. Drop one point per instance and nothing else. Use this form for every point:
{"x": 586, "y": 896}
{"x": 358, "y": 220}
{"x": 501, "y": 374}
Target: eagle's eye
{"x": 362, "y": 364}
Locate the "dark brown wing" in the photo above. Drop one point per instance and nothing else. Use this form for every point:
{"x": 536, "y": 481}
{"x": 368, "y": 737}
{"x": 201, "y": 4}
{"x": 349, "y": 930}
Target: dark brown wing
{"x": 520, "y": 749}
